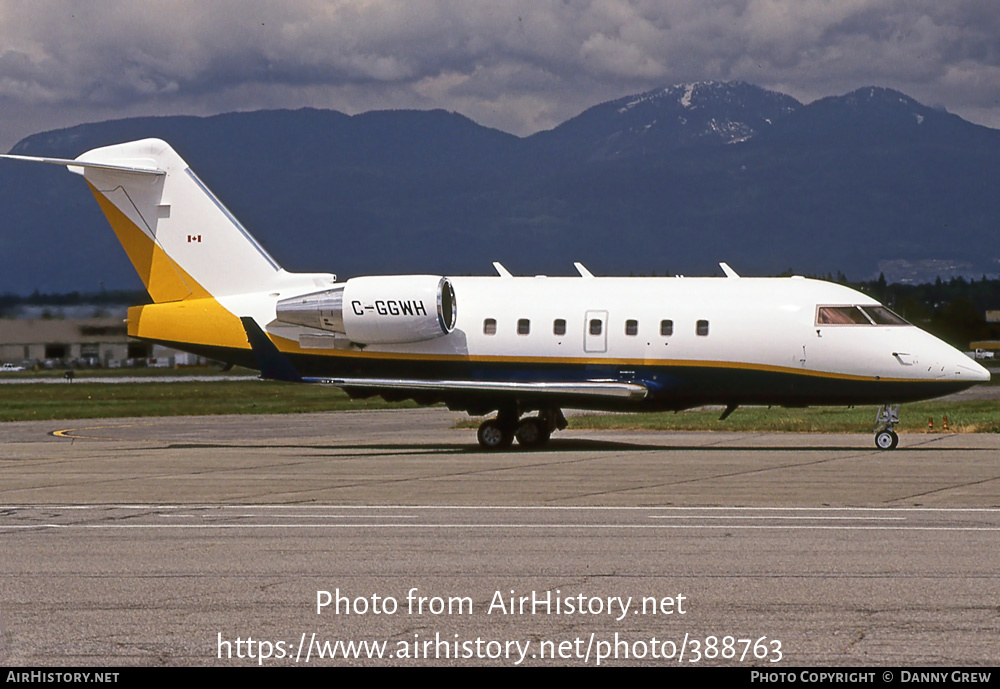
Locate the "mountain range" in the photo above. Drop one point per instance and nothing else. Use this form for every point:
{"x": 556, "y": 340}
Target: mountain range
{"x": 670, "y": 181}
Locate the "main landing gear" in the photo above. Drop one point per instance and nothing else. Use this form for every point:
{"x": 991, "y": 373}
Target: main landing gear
{"x": 885, "y": 421}
{"x": 530, "y": 432}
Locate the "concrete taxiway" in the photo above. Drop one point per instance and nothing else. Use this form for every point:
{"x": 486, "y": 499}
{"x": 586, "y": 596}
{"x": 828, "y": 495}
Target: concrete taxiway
{"x": 174, "y": 541}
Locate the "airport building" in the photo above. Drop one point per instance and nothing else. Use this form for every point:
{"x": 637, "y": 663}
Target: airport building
{"x": 81, "y": 343}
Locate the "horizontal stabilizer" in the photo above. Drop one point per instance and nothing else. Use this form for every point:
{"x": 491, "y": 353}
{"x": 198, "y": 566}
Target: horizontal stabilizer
{"x": 584, "y": 388}
{"x": 138, "y": 169}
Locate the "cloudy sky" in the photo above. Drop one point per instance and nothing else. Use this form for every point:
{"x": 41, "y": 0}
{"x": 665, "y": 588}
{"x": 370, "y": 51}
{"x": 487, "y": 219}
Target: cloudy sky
{"x": 519, "y": 66}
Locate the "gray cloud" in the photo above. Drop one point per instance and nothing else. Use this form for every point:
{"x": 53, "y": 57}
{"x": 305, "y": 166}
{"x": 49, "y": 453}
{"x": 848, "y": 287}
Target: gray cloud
{"x": 518, "y": 66}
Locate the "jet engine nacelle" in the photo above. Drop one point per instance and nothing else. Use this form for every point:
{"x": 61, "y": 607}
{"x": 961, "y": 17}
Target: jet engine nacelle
{"x": 376, "y": 309}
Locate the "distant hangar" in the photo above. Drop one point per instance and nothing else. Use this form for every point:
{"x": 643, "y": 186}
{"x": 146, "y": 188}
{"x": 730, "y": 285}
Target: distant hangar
{"x": 80, "y": 343}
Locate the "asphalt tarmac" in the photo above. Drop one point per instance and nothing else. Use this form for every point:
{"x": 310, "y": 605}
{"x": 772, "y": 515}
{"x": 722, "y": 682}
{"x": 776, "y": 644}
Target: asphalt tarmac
{"x": 278, "y": 540}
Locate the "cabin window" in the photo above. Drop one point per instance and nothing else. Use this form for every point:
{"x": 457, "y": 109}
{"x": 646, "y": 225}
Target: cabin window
{"x": 631, "y": 328}
{"x": 595, "y": 326}
{"x": 666, "y": 328}
{"x": 559, "y": 327}
{"x": 523, "y": 326}
{"x": 490, "y": 326}
{"x": 701, "y": 328}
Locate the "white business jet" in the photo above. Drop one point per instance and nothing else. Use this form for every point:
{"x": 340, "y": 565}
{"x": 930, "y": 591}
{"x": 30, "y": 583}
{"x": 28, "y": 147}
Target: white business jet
{"x": 504, "y": 344}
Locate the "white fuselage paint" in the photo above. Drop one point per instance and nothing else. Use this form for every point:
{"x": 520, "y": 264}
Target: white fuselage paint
{"x": 767, "y": 323}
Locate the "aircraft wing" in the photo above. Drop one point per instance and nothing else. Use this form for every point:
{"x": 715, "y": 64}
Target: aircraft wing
{"x": 583, "y": 388}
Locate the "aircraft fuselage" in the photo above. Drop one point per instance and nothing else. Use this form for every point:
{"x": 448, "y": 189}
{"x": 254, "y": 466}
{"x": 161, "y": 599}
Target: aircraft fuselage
{"x": 506, "y": 344}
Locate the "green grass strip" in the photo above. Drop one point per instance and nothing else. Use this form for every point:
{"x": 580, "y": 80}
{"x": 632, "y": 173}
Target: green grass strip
{"x": 79, "y": 400}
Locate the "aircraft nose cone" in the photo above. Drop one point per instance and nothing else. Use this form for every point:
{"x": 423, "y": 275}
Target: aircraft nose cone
{"x": 953, "y": 364}
{"x": 973, "y": 371}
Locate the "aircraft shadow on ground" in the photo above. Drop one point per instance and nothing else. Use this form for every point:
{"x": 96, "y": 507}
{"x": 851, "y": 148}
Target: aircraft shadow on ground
{"x": 561, "y": 446}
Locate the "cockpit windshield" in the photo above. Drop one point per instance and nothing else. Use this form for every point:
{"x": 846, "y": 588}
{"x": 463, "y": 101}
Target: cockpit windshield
{"x": 857, "y": 315}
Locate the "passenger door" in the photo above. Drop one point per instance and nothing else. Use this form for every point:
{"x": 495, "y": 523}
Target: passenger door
{"x": 595, "y": 331}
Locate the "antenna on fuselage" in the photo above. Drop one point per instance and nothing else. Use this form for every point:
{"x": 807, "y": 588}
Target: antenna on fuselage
{"x": 730, "y": 273}
{"x": 501, "y": 271}
{"x": 582, "y": 270}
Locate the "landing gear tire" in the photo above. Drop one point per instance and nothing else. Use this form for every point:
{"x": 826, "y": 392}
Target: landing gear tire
{"x": 886, "y": 440}
{"x": 886, "y": 418}
{"x": 531, "y": 433}
{"x": 494, "y": 436}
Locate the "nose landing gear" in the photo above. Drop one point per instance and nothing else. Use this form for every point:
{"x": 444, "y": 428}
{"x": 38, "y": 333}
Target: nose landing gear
{"x": 885, "y": 421}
